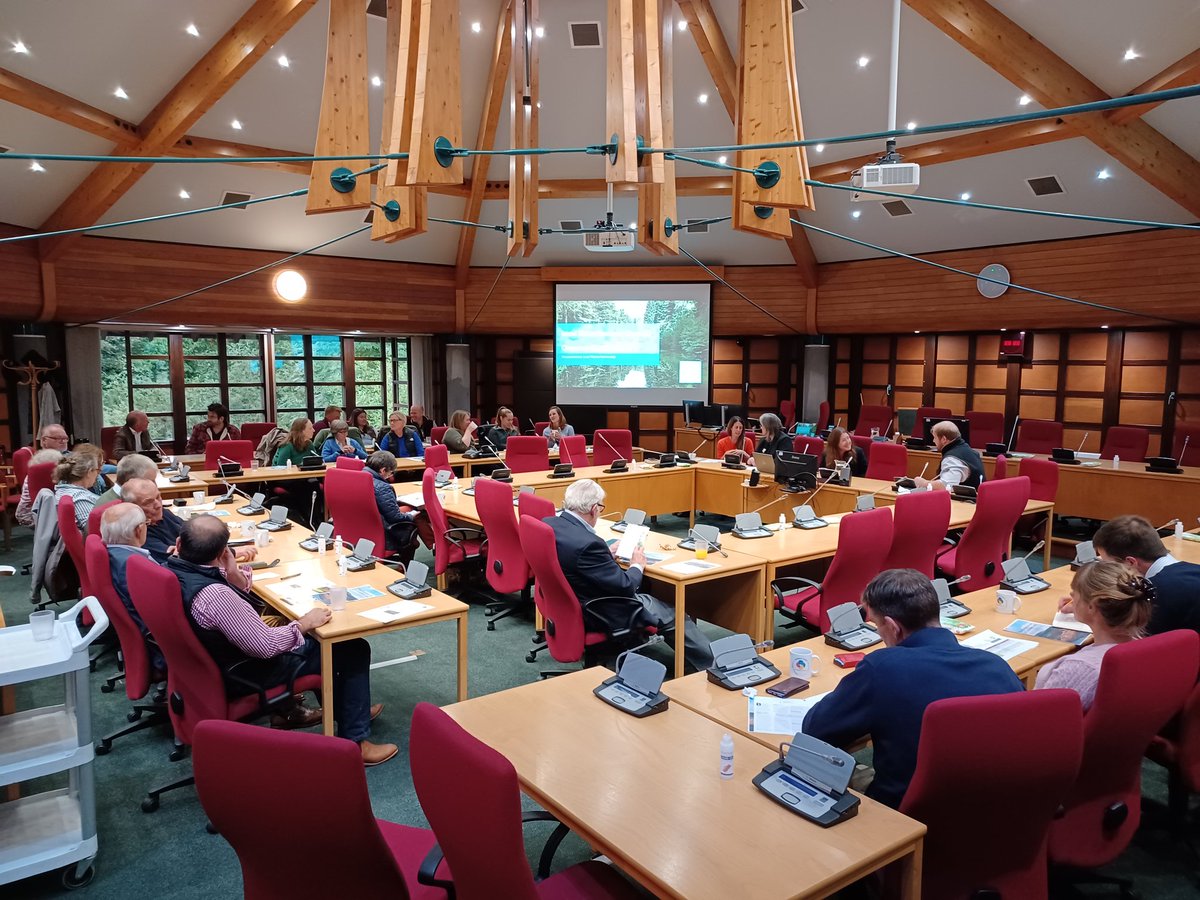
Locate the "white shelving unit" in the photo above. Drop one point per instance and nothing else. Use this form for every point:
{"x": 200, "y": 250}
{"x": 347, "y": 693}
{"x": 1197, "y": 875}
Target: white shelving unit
{"x": 54, "y": 829}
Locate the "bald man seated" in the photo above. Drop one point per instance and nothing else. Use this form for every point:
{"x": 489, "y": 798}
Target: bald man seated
{"x": 133, "y": 436}
{"x": 960, "y": 464}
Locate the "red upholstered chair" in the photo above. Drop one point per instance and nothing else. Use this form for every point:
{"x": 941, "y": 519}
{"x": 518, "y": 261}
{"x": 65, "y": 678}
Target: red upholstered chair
{"x": 1038, "y": 436}
{"x": 73, "y": 541}
{"x": 108, "y": 436}
{"x": 813, "y": 446}
{"x": 40, "y": 477}
{"x": 864, "y": 443}
{"x": 94, "y": 518}
{"x": 350, "y": 502}
{"x": 241, "y": 452}
{"x": 531, "y": 504}
{"x": 1177, "y": 748}
{"x": 863, "y": 544}
{"x": 612, "y": 443}
{"x": 136, "y": 658}
{"x": 920, "y": 522}
{"x": 1043, "y": 478}
{"x": 929, "y": 412}
{"x": 1142, "y": 685}
{"x": 888, "y": 461}
{"x": 1000, "y": 469}
{"x": 20, "y": 463}
{"x": 526, "y": 453}
{"x": 449, "y": 766}
{"x": 539, "y": 427}
{"x": 506, "y": 571}
{"x": 822, "y": 416}
{"x": 255, "y": 431}
{"x": 1189, "y": 434}
{"x": 437, "y": 457}
{"x": 350, "y": 463}
{"x": 787, "y": 412}
{"x": 1017, "y": 785}
{"x": 573, "y": 449}
{"x": 984, "y": 544}
{"x": 437, "y": 433}
{"x": 874, "y": 417}
{"x": 375, "y": 858}
{"x": 195, "y": 687}
{"x": 451, "y": 546}
{"x": 986, "y": 428}
{"x": 1126, "y": 441}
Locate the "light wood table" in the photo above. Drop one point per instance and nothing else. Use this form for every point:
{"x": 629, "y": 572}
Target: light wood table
{"x": 727, "y": 492}
{"x": 647, "y": 794}
{"x": 699, "y": 441}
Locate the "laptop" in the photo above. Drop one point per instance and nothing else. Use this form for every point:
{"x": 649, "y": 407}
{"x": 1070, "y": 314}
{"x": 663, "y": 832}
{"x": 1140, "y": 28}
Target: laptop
{"x": 412, "y": 586}
{"x": 765, "y": 463}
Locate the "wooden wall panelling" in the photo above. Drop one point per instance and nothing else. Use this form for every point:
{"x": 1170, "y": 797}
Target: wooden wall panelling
{"x": 522, "y": 303}
{"x": 1171, "y": 397}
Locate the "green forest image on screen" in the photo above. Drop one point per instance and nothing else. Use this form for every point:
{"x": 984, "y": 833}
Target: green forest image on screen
{"x": 630, "y": 344}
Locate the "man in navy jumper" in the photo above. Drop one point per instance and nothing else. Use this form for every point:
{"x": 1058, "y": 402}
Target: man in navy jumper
{"x": 1133, "y": 540}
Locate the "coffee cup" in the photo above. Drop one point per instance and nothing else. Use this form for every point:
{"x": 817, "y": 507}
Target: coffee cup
{"x": 803, "y": 663}
{"x": 41, "y": 624}
{"x": 262, "y": 538}
{"x": 197, "y": 496}
{"x": 1007, "y": 602}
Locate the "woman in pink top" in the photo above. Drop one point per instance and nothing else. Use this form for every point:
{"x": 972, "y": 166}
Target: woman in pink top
{"x": 1114, "y": 601}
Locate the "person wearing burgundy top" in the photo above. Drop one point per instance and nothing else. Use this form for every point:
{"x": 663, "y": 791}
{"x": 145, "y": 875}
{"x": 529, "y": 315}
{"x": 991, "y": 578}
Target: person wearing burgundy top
{"x": 223, "y": 613}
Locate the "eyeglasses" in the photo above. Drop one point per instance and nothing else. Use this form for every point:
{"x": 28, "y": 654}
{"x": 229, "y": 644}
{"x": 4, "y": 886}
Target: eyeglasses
{"x": 599, "y": 508}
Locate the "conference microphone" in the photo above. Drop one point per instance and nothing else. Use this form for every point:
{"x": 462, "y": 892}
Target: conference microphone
{"x": 1032, "y": 550}
{"x": 711, "y": 546}
{"x": 1081, "y": 443}
{"x": 692, "y": 453}
{"x": 1164, "y": 530}
{"x": 761, "y": 645}
{"x": 370, "y": 556}
{"x": 653, "y": 639}
{"x": 1183, "y": 450}
{"x": 961, "y": 579}
{"x": 1012, "y": 437}
{"x": 610, "y": 446}
{"x": 923, "y": 468}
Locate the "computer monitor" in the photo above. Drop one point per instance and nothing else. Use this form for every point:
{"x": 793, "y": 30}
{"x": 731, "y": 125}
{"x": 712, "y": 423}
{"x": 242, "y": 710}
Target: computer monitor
{"x": 729, "y": 410}
{"x": 795, "y": 471}
{"x": 964, "y": 426}
{"x": 693, "y": 412}
{"x": 710, "y": 417}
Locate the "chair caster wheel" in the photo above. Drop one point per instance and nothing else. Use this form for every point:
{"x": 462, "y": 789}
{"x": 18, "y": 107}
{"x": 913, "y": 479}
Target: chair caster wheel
{"x": 106, "y": 688}
{"x": 71, "y": 881}
{"x": 133, "y": 715}
{"x": 103, "y": 747}
{"x": 177, "y": 754}
{"x": 530, "y": 657}
{"x": 150, "y": 804}
{"x": 491, "y": 626}
{"x": 211, "y": 828}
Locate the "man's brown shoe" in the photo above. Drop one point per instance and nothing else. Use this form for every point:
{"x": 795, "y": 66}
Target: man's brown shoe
{"x": 299, "y": 716}
{"x": 374, "y": 754}
{"x": 376, "y": 709}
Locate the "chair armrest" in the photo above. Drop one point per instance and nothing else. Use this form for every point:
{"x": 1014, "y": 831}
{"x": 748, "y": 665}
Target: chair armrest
{"x": 467, "y": 534}
{"x": 949, "y": 540}
{"x": 634, "y": 612}
{"x": 427, "y": 873}
{"x": 795, "y": 580}
{"x": 552, "y": 842}
{"x": 263, "y": 702}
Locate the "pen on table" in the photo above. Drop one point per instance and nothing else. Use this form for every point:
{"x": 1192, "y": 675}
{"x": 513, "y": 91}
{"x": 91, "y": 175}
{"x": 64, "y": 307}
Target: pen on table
{"x": 286, "y": 577}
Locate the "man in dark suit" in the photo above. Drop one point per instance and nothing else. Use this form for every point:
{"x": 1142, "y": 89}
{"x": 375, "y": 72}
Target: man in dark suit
{"x": 133, "y": 436}
{"x": 886, "y": 695}
{"x": 1133, "y": 540}
{"x": 593, "y": 572}
{"x": 123, "y": 530}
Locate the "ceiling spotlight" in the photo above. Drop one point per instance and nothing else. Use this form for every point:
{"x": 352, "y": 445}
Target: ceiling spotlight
{"x": 290, "y": 286}
{"x": 1025, "y": 100}
{"x": 965, "y": 195}
{"x": 911, "y": 126}
{"x": 376, "y": 81}
{"x": 820, "y": 148}
{"x": 120, "y": 93}
{"x": 1131, "y": 54}
{"x": 539, "y": 32}
{"x": 36, "y": 166}
{"x": 1104, "y": 174}
{"x": 862, "y": 61}
{"x": 722, "y": 159}
{"x": 539, "y": 104}
{"x": 682, "y": 26}
{"x": 856, "y": 214}
{"x": 193, "y": 30}
{"x": 284, "y": 63}
{"x": 184, "y": 195}
{"x": 1105, "y": 327}
{"x": 236, "y": 125}
{"x": 19, "y": 47}
{"x": 476, "y": 27}
{"x": 916, "y": 332}
{"x": 703, "y": 98}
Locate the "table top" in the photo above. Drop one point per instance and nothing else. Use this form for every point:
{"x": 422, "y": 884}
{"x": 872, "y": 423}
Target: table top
{"x": 647, "y": 793}
{"x": 1106, "y": 467}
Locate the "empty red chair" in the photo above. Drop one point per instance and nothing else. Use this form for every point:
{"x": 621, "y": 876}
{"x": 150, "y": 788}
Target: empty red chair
{"x": 531, "y": 504}
{"x": 448, "y": 764}
{"x": 451, "y": 546}
{"x": 1187, "y": 444}
{"x": 94, "y": 518}
{"x": 20, "y": 463}
{"x": 787, "y": 412}
{"x": 874, "y": 417}
{"x": 437, "y": 433}
{"x": 1017, "y": 785}
{"x": 526, "y": 453}
{"x": 539, "y": 427}
{"x": 1177, "y": 748}
{"x": 984, "y": 545}
{"x": 108, "y": 436}
{"x": 1142, "y": 685}
{"x": 375, "y": 858}
{"x": 350, "y": 502}
{"x": 986, "y": 428}
{"x": 1000, "y": 469}
{"x": 612, "y": 443}
{"x": 351, "y": 463}
{"x": 573, "y": 450}
{"x": 920, "y": 522}
{"x": 887, "y": 461}
{"x": 40, "y": 477}
{"x": 1126, "y": 441}
{"x": 929, "y": 412}
{"x": 1043, "y": 478}
{"x": 1039, "y": 436}
{"x": 254, "y": 432}
{"x": 506, "y": 571}
{"x": 864, "y": 443}
{"x": 823, "y": 416}
{"x": 240, "y": 452}
{"x": 863, "y": 544}
{"x": 813, "y": 446}
{"x": 437, "y": 457}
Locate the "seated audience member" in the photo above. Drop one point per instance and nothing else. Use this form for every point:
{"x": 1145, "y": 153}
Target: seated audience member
{"x": 401, "y": 524}
{"x": 402, "y": 439}
{"x": 558, "y": 427}
{"x": 840, "y": 447}
{"x": 133, "y": 436}
{"x": 223, "y": 613}
{"x": 592, "y": 571}
{"x": 460, "y": 436}
{"x": 75, "y": 477}
{"x": 1134, "y": 541}
{"x": 162, "y": 525}
{"x": 24, "y": 512}
{"x": 886, "y": 695}
{"x": 54, "y": 437}
{"x": 1115, "y": 602}
{"x": 358, "y": 419}
{"x": 505, "y": 427}
{"x": 215, "y": 427}
{"x": 131, "y": 466}
{"x": 774, "y": 436}
{"x": 960, "y": 464}
{"x": 123, "y": 530}
{"x": 418, "y": 420}
{"x": 736, "y": 439}
{"x": 332, "y": 414}
{"x": 339, "y": 443}
{"x": 298, "y": 445}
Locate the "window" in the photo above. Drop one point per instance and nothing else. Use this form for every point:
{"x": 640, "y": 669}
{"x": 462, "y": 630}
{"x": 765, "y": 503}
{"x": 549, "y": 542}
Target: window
{"x": 308, "y": 375}
{"x": 224, "y": 368}
{"x": 135, "y": 373}
{"x": 380, "y": 376}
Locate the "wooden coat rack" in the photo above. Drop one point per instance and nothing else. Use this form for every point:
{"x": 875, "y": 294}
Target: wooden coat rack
{"x": 31, "y": 374}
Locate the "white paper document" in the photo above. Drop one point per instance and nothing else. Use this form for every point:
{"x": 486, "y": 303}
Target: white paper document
{"x": 401, "y": 609}
{"x": 689, "y": 567}
{"x": 776, "y": 715}
{"x": 632, "y": 536}
{"x": 415, "y": 500}
{"x": 1068, "y": 620}
{"x": 1005, "y": 648}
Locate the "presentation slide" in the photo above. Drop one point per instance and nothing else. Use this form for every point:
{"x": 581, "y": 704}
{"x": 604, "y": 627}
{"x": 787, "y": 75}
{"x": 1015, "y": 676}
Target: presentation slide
{"x": 631, "y": 344}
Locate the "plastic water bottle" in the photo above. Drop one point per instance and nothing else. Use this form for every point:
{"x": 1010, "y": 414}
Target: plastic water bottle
{"x": 337, "y": 545}
{"x": 1116, "y": 461}
{"x": 1179, "y": 528}
{"x": 782, "y": 523}
{"x": 727, "y": 756}
{"x": 341, "y": 566}
{"x": 320, "y": 545}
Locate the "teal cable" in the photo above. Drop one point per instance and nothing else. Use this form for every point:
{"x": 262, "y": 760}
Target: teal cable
{"x": 465, "y": 224}
{"x": 1013, "y": 209}
{"x": 73, "y": 157}
{"x": 761, "y": 309}
{"x": 977, "y": 277}
{"x": 710, "y": 163}
{"x": 270, "y": 265}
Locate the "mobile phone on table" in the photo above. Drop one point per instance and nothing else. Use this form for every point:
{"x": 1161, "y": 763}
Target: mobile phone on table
{"x": 788, "y": 687}
{"x": 847, "y": 660}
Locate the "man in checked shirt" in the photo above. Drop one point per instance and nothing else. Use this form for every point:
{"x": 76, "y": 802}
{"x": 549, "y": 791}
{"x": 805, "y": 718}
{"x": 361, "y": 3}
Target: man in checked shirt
{"x": 223, "y": 613}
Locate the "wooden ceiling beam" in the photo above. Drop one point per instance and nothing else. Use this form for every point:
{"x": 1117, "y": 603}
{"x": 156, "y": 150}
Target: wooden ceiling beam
{"x": 714, "y": 49}
{"x": 1032, "y": 66}
{"x": 234, "y": 54}
{"x": 38, "y": 98}
{"x": 1180, "y": 73}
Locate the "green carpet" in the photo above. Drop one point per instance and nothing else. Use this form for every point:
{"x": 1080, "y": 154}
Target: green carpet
{"x": 168, "y": 853}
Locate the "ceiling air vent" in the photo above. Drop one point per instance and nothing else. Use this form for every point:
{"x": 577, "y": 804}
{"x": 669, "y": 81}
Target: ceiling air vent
{"x": 696, "y": 229}
{"x": 237, "y": 199}
{"x": 1044, "y": 186}
{"x": 377, "y": 8}
{"x": 570, "y": 225}
{"x": 798, "y": 6}
{"x": 370, "y": 216}
{"x": 585, "y": 34}
{"x": 4, "y": 149}
{"x": 897, "y": 208}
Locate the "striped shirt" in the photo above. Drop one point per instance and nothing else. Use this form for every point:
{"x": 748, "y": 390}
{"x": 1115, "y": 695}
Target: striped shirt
{"x": 219, "y": 607}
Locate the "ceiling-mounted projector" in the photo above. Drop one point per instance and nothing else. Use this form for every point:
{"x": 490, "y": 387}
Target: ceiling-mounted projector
{"x": 899, "y": 177}
{"x": 613, "y": 238}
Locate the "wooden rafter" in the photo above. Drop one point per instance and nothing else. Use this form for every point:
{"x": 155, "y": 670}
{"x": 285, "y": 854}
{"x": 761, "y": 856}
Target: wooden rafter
{"x": 1035, "y": 68}
{"x": 1183, "y": 72}
{"x": 485, "y": 138}
{"x": 260, "y": 27}
{"x": 38, "y": 98}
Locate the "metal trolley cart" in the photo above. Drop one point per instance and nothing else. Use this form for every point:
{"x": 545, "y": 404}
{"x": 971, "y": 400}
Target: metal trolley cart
{"x": 57, "y": 828}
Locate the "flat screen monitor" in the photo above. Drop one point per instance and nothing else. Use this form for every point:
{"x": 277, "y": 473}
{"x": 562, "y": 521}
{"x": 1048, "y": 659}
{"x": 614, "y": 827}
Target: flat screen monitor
{"x": 693, "y": 412}
{"x": 710, "y": 417}
{"x": 964, "y": 427}
{"x": 796, "y": 470}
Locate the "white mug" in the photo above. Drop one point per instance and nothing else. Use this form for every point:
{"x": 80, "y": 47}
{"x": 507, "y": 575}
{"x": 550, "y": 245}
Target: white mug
{"x": 803, "y": 663}
{"x": 197, "y": 496}
{"x": 248, "y": 529}
{"x": 262, "y": 538}
{"x": 1007, "y": 602}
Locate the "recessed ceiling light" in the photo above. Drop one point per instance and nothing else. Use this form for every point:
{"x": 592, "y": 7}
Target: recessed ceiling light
{"x": 476, "y": 27}
{"x": 539, "y": 104}
{"x": 856, "y": 214}
{"x": 284, "y": 62}
{"x": 1104, "y": 326}
{"x": 193, "y": 30}
{"x": 36, "y": 166}
{"x": 863, "y": 61}
{"x": 376, "y": 81}
{"x": 1131, "y": 54}
{"x": 703, "y": 98}
{"x": 184, "y": 195}
{"x": 236, "y": 125}
{"x": 965, "y": 195}
{"x": 19, "y": 47}
{"x": 682, "y": 26}
{"x": 120, "y": 93}
{"x": 911, "y": 125}
{"x": 1104, "y": 174}
{"x": 820, "y": 148}
{"x": 1025, "y": 100}
{"x": 290, "y": 286}
{"x": 722, "y": 159}
{"x": 539, "y": 32}
{"x": 916, "y": 332}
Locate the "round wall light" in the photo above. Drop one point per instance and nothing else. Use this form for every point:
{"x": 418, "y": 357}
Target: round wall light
{"x": 290, "y": 286}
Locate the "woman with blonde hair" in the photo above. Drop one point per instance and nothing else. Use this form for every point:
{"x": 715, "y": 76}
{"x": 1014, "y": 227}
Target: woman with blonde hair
{"x": 1114, "y": 601}
{"x": 505, "y": 427}
{"x": 75, "y": 477}
{"x": 461, "y": 434}
{"x": 298, "y": 445}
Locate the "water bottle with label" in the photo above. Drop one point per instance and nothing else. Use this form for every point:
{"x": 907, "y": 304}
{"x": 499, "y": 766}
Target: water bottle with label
{"x": 727, "y": 756}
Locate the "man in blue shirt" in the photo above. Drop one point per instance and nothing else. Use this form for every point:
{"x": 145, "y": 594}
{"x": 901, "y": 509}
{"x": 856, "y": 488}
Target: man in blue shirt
{"x": 885, "y": 697}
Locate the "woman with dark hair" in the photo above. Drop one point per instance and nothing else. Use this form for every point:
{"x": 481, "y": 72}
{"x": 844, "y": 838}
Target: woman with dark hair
{"x": 558, "y": 427}
{"x": 840, "y": 447}
{"x": 358, "y": 419}
{"x": 299, "y": 444}
{"x": 736, "y": 439}
{"x": 505, "y": 427}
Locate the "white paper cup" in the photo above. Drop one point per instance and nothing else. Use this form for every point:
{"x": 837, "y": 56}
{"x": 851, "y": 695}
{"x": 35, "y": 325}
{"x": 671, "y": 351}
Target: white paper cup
{"x": 262, "y": 538}
{"x": 336, "y": 597}
{"x": 41, "y": 623}
{"x": 198, "y": 496}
